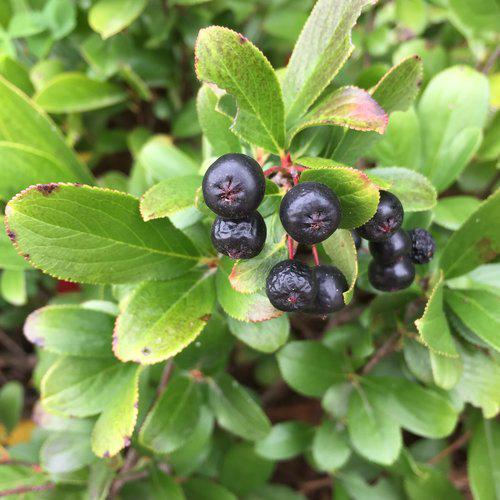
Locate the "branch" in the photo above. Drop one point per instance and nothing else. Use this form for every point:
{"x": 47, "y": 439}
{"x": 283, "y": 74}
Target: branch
{"x": 26, "y": 489}
{"x": 456, "y": 445}
{"x": 385, "y": 349}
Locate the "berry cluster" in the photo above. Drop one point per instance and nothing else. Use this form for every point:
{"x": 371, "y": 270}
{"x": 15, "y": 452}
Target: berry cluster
{"x": 394, "y": 250}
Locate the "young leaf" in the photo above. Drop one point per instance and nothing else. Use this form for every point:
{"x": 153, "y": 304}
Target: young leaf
{"x": 357, "y": 194}
{"x": 433, "y": 325}
{"x": 24, "y": 123}
{"x": 321, "y": 50}
{"x": 309, "y": 367}
{"x": 109, "y": 17}
{"x": 233, "y": 63}
{"x": 349, "y": 107}
{"x": 11, "y": 405}
{"x": 13, "y": 286}
{"x": 330, "y": 449}
{"x": 236, "y": 411}
{"x": 169, "y": 197}
{"x": 394, "y": 92}
{"x": 173, "y": 418}
{"x": 76, "y": 93}
{"x": 286, "y": 440}
{"x": 162, "y": 318}
{"x": 74, "y": 232}
{"x": 71, "y": 329}
{"x": 476, "y": 242}
{"x": 341, "y": 250}
{"x": 451, "y": 212}
{"x": 415, "y": 191}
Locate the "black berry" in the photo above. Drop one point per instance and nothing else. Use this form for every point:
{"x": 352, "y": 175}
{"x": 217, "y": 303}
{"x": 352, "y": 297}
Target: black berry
{"x": 386, "y": 221}
{"x": 239, "y": 238}
{"x": 423, "y": 246}
{"x": 392, "y": 248}
{"x": 391, "y": 277}
{"x": 310, "y": 212}
{"x": 331, "y": 286}
{"x": 233, "y": 186}
{"x": 291, "y": 285}
{"x": 357, "y": 239}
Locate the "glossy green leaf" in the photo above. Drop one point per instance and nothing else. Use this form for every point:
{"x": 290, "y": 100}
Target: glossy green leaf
{"x": 413, "y": 189}
{"x": 453, "y": 211}
{"x": 13, "y": 286}
{"x": 165, "y": 486}
{"x": 446, "y": 371}
{"x": 25, "y": 123}
{"x": 60, "y": 16}
{"x": 109, "y": 17}
{"x": 16, "y": 73}
{"x": 71, "y": 329}
{"x": 173, "y": 418}
{"x": 330, "y": 449}
{"x": 285, "y": 440}
{"x": 65, "y": 452}
{"x": 11, "y": 404}
{"x": 309, "y": 367}
{"x": 357, "y": 194}
{"x": 431, "y": 483}
{"x": 476, "y": 242}
{"x": 321, "y": 50}
{"x": 76, "y": 93}
{"x": 267, "y": 336}
{"x": 233, "y": 63}
{"x": 75, "y": 232}
{"x": 199, "y": 487}
{"x": 9, "y": 258}
{"x": 236, "y": 411}
{"x": 160, "y": 319}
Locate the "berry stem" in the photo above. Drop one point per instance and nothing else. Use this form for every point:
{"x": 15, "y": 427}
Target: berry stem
{"x": 315, "y": 254}
{"x": 291, "y": 252}
{"x": 271, "y": 170}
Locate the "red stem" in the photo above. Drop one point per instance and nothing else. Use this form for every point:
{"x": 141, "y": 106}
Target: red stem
{"x": 315, "y": 254}
{"x": 271, "y": 170}
{"x": 291, "y": 253}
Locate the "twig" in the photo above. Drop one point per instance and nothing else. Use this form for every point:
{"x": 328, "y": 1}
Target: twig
{"x": 291, "y": 251}
{"x": 456, "y": 445}
{"x": 490, "y": 62}
{"x": 385, "y": 349}
{"x": 315, "y": 254}
{"x": 316, "y": 484}
{"x": 26, "y": 489}
{"x": 167, "y": 373}
{"x": 11, "y": 345}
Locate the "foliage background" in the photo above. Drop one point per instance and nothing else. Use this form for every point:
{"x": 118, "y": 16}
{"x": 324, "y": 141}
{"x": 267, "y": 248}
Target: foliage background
{"x": 394, "y": 397}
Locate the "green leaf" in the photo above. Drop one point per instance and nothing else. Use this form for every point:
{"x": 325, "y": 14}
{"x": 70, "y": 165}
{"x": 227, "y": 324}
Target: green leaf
{"x": 483, "y": 460}
{"x": 433, "y": 325}
{"x": 76, "y": 93}
{"x": 479, "y": 311}
{"x": 446, "y": 371}
{"x": 169, "y": 197}
{"x": 452, "y": 111}
{"x": 285, "y": 441}
{"x": 22, "y": 166}
{"x": 71, "y": 329}
{"x": 252, "y": 307}
{"x": 453, "y": 211}
{"x": 160, "y": 319}
{"x": 214, "y": 124}
{"x": 233, "y": 63}
{"x": 342, "y": 251}
{"x": 413, "y": 189}
{"x": 60, "y": 16}
{"x": 17, "y": 476}
{"x": 357, "y": 194}
{"x": 374, "y": 434}
{"x": 75, "y": 232}
{"x": 309, "y": 367}
{"x": 9, "y": 258}
{"x": 394, "y": 92}
{"x": 16, "y": 73}
{"x": 330, "y": 449}
{"x": 24, "y": 123}
{"x": 478, "y": 19}
{"x": 109, "y": 17}
{"x": 432, "y": 483}
{"x": 164, "y": 486}
{"x": 199, "y": 487}
{"x": 412, "y": 14}
{"x": 236, "y": 411}
{"x": 321, "y": 50}
{"x": 349, "y": 107}
{"x": 11, "y": 404}
{"x": 476, "y": 242}
{"x": 13, "y": 286}
{"x": 173, "y": 418}
{"x": 267, "y": 336}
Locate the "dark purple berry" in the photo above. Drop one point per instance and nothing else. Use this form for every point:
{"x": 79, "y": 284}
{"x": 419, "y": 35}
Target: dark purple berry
{"x": 357, "y": 239}
{"x": 391, "y": 277}
{"x": 239, "y": 238}
{"x": 389, "y": 250}
{"x": 423, "y": 246}
{"x": 234, "y": 186}
{"x": 310, "y": 212}
{"x": 331, "y": 286}
{"x": 291, "y": 285}
{"x": 386, "y": 221}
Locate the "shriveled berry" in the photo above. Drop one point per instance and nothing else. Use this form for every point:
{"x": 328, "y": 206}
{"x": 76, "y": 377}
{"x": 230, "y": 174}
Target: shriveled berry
{"x": 356, "y": 238}
{"x": 391, "y": 277}
{"x": 386, "y": 221}
{"x": 234, "y": 186}
{"x": 310, "y": 212}
{"x": 291, "y": 285}
{"x": 331, "y": 286}
{"x": 423, "y": 246}
{"x": 239, "y": 238}
{"x": 392, "y": 248}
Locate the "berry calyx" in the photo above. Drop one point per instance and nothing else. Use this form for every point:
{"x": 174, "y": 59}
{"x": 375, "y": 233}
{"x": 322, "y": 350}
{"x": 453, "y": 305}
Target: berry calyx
{"x": 239, "y": 238}
{"x": 310, "y": 212}
{"x": 291, "y": 286}
{"x": 389, "y": 250}
{"x": 423, "y": 246}
{"x": 331, "y": 286}
{"x": 391, "y": 277}
{"x": 234, "y": 186}
{"x": 386, "y": 221}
